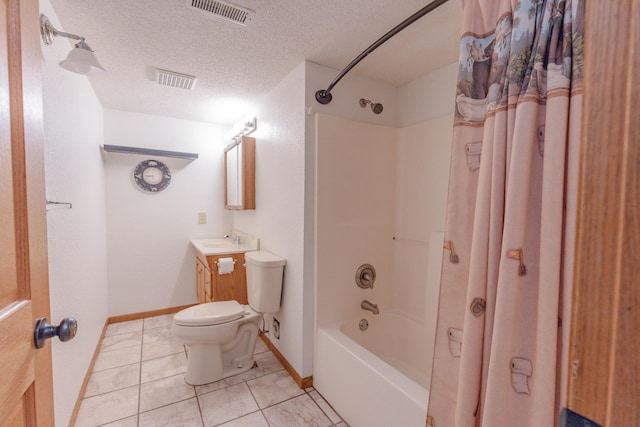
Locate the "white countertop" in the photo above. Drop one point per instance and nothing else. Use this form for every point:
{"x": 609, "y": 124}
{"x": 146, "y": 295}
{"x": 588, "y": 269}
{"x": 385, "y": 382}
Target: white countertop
{"x": 225, "y": 245}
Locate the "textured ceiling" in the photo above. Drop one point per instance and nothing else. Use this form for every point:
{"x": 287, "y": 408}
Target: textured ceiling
{"x": 241, "y": 64}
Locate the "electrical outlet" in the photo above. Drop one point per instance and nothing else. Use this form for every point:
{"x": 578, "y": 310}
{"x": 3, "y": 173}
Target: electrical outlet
{"x": 276, "y": 328}
{"x": 202, "y": 217}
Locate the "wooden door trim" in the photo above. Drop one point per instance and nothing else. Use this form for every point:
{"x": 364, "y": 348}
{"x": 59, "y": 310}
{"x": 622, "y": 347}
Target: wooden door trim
{"x": 603, "y": 382}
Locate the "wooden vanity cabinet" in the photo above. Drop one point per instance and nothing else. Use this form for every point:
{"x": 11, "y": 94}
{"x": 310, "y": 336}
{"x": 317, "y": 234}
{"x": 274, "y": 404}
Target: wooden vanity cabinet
{"x": 212, "y": 286}
{"x": 203, "y": 282}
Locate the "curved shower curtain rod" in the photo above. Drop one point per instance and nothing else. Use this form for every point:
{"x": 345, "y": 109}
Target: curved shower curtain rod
{"x": 323, "y": 96}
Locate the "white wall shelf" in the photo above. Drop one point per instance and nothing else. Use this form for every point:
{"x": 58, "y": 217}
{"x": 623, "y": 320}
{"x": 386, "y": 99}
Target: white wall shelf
{"x": 149, "y": 152}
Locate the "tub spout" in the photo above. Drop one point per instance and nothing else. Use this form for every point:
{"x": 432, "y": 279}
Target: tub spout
{"x": 366, "y": 305}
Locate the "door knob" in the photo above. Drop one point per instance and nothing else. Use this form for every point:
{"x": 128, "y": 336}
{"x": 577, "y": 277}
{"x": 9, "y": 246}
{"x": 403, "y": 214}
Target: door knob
{"x": 66, "y": 330}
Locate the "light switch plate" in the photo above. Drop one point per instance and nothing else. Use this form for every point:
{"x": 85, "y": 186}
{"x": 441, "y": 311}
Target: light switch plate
{"x": 202, "y": 217}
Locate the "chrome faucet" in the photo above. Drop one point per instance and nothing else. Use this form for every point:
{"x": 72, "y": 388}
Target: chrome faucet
{"x": 235, "y": 239}
{"x": 366, "y": 305}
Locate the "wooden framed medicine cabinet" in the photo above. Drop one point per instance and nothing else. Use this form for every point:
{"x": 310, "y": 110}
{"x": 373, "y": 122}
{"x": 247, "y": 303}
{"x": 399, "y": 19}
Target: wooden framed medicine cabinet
{"x": 240, "y": 174}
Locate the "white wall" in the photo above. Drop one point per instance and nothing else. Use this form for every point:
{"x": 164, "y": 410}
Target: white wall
{"x": 151, "y": 262}
{"x": 77, "y": 237}
{"x": 278, "y": 219}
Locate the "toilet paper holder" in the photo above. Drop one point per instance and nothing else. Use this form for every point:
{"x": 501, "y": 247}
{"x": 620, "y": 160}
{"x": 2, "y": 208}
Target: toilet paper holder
{"x": 225, "y": 265}
{"x": 365, "y": 276}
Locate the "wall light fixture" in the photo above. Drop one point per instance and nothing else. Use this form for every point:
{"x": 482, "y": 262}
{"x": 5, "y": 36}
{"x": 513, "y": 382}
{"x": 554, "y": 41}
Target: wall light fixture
{"x": 81, "y": 59}
{"x": 240, "y": 129}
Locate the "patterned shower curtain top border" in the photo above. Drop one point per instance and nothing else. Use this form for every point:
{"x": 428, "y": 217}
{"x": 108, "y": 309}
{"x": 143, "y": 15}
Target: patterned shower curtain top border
{"x": 536, "y": 52}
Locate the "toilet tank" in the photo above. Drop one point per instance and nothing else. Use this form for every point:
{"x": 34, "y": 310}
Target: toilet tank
{"x": 264, "y": 280}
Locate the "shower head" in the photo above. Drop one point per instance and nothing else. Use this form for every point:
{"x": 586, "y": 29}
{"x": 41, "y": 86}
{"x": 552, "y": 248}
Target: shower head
{"x": 375, "y": 107}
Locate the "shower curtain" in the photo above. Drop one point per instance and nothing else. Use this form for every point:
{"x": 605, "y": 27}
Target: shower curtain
{"x": 502, "y": 333}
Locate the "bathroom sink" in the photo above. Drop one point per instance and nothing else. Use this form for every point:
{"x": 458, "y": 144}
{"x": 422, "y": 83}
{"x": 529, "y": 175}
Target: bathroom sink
{"x": 225, "y": 245}
{"x": 216, "y": 243}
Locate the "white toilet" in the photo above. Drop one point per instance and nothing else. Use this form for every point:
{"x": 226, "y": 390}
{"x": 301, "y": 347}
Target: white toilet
{"x": 221, "y": 336}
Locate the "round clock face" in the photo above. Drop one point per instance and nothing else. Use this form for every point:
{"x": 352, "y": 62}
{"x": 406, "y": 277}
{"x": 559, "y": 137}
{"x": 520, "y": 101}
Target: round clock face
{"x": 152, "y": 175}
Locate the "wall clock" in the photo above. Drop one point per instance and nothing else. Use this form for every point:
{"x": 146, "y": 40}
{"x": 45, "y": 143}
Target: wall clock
{"x": 152, "y": 175}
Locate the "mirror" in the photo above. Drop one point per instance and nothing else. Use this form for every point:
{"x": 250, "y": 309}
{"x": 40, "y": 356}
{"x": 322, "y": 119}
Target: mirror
{"x": 240, "y": 174}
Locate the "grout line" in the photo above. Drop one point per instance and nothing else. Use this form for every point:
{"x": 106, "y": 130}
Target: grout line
{"x": 328, "y": 404}
{"x": 199, "y": 406}
{"x": 140, "y": 377}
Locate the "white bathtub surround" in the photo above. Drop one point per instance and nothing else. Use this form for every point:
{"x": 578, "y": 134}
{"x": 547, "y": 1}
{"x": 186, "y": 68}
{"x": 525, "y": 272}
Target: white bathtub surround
{"x": 377, "y": 177}
{"x": 381, "y": 195}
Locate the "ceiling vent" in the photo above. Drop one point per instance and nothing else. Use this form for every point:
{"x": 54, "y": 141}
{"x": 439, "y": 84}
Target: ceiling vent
{"x": 173, "y": 79}
{"x": 227, "y": 11}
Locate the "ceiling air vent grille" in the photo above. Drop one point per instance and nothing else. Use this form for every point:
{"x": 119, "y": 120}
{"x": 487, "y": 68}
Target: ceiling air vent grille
{"x": 173, "y": 79}
{"x": 221, "y": 9}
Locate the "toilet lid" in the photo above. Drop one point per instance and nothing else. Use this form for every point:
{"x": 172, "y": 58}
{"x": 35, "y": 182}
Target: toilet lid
{"x": 211, "y": 313}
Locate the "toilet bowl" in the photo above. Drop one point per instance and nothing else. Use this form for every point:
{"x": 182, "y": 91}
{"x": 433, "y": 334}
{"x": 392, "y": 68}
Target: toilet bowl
{"x": 221, "y": 336}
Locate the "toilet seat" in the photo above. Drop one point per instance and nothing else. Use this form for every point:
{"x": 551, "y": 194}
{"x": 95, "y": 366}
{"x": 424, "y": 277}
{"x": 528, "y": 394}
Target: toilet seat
{"x": 212, "y": 313}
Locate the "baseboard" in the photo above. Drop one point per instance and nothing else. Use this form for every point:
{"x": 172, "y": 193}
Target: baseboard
{"x": 145, "y": 314}
{"x": 302, "y": 382}
{"x": 110, "y": 320}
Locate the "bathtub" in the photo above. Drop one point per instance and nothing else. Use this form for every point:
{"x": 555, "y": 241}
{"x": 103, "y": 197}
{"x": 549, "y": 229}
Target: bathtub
{"x": 368, "y": 378}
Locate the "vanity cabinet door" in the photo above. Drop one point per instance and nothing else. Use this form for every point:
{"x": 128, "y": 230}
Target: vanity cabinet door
{"x": 229, "y": 286}
{"x": 207, "y": 286}
{"x": 200, "y": 281}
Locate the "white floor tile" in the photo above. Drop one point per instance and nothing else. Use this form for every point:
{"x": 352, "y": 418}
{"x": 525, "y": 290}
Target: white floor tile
{"x": 157, "y": 335}
{"x": 161, "y": 348}
{"x": 115, "y": 342}
{"x": 162, "y": 321}
{"x": 255, "y": 419}
{"x": 113, "y": 379}
{"x": 127, "y": 422}
{"x": 181, "y": 414}
{"x": 119, "y": 357}
{"x": 124, "y": 327}
{"x": 298, "y": 412}
{"x": 268, "y": 362}
{"x": 108, "y": 407}
{"x": 227, "y": 404}
{"x": 163, "y": 392}
{"x": 163, "y": 367}
{"x": 274, "y": 388}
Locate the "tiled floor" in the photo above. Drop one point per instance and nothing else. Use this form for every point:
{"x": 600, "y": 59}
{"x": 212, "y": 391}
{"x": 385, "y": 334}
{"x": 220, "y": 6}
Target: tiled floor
{"x": 138, "y": 380}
